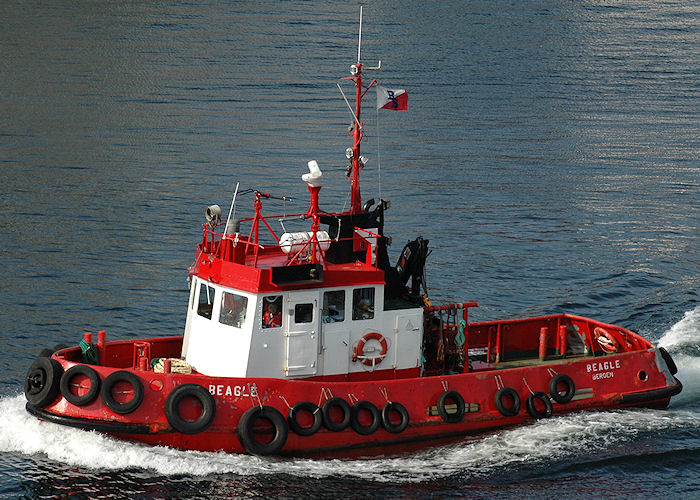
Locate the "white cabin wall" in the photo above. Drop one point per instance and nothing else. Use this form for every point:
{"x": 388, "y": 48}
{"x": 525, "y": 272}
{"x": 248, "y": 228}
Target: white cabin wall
{"x": 188, "y": 318}
{"x": 215, "y": 348}
{"x": 298, "y": 350}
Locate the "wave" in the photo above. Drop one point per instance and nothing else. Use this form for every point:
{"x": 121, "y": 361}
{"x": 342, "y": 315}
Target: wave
{"x": 682, "y": 341}
{"x": 537, "y": 445}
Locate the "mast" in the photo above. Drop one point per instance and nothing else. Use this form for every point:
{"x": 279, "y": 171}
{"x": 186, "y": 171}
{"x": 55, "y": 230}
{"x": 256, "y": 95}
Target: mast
{"x": 356, "y": 71}
{"x": 355, "y": 196}
{"x": 357, "y": 132}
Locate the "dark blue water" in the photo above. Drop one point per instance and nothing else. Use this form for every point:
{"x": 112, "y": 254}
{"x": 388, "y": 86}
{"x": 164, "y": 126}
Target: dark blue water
{"x": 550, "y": 154}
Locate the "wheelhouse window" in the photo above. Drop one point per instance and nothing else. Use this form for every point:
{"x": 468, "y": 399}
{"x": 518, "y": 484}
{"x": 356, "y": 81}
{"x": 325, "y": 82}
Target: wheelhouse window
{"x": 334, "y": 306}
{"x": 303, "y": 313}
{"x": 272, "y": 311}
{"x": 363, "y": 303}
{"x": 233, "y": 309}
{"x": 206, "y": 300}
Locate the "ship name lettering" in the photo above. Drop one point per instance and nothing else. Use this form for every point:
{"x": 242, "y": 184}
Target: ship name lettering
{"x": 603, "y": 366}
{"x": 226, "y": 390}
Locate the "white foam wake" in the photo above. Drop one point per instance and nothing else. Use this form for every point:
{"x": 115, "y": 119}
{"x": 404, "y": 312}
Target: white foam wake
{"x": 543, "y": 442}
{"x": 682, "y": 341}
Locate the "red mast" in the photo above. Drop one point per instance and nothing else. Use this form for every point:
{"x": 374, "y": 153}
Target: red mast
{"x": 355, "y": 196}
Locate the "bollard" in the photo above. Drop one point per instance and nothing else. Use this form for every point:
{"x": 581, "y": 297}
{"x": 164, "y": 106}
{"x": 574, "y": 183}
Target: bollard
{"x": 563, "y": 344}
{"x": 88, "y": 337}
{"x": 543, "y": 343}
{"x": 167, "y": 365}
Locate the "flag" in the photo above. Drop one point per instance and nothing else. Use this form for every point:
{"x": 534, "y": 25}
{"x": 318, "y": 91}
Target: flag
{"x": 394, "y": 99}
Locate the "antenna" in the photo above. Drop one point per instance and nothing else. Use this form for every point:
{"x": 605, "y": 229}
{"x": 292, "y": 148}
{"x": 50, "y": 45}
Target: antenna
{"x": 359, "y": 38}
{"x": 233, "y": 204}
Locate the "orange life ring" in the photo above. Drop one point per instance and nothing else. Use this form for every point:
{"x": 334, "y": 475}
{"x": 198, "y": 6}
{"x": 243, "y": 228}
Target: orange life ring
{"x": 607, "y": 340}
{"x": 359, "y": 351}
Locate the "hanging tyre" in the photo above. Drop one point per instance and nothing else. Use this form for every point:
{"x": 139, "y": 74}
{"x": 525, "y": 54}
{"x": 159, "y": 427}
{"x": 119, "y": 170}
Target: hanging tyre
{"x": 46, "y": 353}
{"x": 669, "y": 361}
{"x": 330, "y": 408}
{"x": 266, "y": 423}
{"x": 392, "y": 407}
{"x": 299, "y": 409}
{"x": 451, "y": 398}
{"x": 42, "y": 382}
{"x": 122, "y": 405}
{"x": 507, "y": 401}
{"x": 178, "y": 413}
{"x": 80, "y": 385}
{"x": 532, "y": 405}
{"x": 375, "y": 418}
{"x": 562, "y": 388}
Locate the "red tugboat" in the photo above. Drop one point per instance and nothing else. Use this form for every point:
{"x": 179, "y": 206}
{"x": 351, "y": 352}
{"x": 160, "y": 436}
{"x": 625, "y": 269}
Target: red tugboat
{"x": 312, "y": 344}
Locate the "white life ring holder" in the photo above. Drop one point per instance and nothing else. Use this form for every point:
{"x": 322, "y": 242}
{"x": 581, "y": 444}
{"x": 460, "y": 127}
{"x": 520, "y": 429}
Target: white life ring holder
{"x": 359, "y": 350}
{"x": 607, "y": 340}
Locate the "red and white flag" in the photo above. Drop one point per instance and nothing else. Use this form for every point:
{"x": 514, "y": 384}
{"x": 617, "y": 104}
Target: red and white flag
{"x": 394, "y": 99}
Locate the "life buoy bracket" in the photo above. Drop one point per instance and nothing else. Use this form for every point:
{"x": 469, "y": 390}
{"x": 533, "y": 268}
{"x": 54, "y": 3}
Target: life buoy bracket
{"x": 609, "y": 341}
{"x": 359, "y": 349}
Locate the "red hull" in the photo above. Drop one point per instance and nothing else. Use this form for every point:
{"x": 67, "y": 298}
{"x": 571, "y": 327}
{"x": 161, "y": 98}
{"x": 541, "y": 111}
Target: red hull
{"x": 636, "y": 378}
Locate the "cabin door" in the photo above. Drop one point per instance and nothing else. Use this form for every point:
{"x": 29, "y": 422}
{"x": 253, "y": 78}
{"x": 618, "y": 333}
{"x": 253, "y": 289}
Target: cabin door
{"x": 301, "y": 334}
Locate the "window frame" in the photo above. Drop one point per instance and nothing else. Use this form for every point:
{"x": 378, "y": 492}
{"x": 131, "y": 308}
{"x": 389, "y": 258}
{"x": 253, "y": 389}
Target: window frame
{"x": 356, "y": 306}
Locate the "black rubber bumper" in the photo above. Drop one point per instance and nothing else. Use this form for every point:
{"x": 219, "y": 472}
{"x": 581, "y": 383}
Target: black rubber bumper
{"x": 653, "y": 395}
{"x": 88, "y": 424}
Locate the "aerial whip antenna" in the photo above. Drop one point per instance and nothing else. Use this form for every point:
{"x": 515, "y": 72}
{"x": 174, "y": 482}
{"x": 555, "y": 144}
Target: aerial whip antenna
{"x": 233, "y": 204}
{"x": 359, "y": 38}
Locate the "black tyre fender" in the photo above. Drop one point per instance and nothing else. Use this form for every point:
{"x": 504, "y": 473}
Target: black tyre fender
{"x": 246, "y": 430}
{"x": 92, "y": 391}
{"x": 357, "y": 426}
{"x": 305, "y": 430}
{"x": 206, "y": 400}
{"x": 554, "y": 392}
{"x": 456, "y": 398}
{"x": 42, "y": 382}
{"x": 533, "y": 410}
{"x": 47, "y": 353}
{"x": 669, "y": 361}
{"x": 393, "y": 406}
{"x": 503, "y": 393}
{"x": 108, "y": 397}
{"x": 343, "y": 406}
